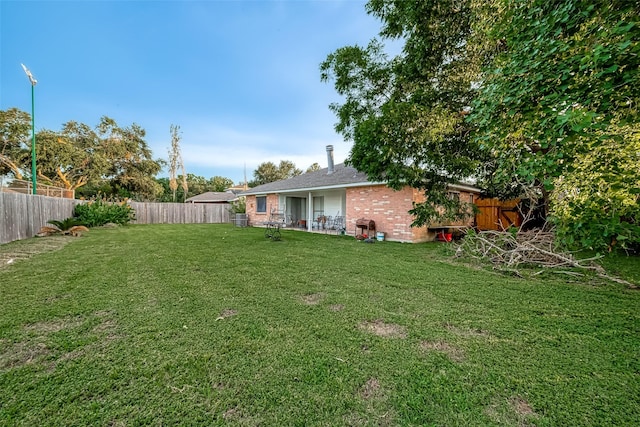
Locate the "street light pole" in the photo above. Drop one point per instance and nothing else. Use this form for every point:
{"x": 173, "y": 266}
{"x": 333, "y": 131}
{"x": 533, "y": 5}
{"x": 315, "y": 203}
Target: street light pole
{"x": 33, "y": 127}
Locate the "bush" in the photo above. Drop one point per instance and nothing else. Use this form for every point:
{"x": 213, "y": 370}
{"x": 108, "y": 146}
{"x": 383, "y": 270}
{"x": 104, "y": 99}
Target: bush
{"x": 97, "y": 212}
{"x": 597, "y": 205}
{"x": 238, "y": 206}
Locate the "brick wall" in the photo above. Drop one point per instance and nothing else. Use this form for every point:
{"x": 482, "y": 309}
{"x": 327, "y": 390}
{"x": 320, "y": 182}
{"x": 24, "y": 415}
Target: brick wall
{"x": 390, "y": 211}
{"x": 388, "y": 208}
{"x": 255, "y": 218}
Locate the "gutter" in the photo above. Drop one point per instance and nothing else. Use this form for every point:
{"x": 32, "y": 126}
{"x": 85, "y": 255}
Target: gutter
{"x": 325, "y": 187}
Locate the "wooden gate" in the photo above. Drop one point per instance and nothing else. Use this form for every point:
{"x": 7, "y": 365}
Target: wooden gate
{"x": 495, "y": 214}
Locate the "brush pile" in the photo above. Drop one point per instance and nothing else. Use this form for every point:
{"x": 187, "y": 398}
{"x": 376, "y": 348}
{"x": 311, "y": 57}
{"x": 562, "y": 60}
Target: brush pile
{"x": 512, "y": 251}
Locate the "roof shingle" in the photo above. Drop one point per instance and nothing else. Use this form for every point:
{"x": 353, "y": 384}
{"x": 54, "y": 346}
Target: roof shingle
{"x": 342, "y": 175}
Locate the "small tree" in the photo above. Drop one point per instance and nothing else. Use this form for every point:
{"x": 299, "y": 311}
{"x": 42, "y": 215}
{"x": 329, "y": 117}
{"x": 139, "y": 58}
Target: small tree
{"x": 175, "y": 158}
{"x": 313, "y": 168}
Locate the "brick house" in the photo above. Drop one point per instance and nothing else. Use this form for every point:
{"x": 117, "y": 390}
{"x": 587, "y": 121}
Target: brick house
{"x": 342, "y": 191}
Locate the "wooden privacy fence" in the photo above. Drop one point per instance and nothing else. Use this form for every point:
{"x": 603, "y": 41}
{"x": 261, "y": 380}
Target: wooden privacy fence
{"x": 181, "y": 213}
{"x": 22, "y": 215}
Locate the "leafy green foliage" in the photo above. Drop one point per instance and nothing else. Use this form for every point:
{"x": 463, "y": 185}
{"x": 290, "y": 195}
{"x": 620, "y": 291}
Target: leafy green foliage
{"x": 239, "y": 206}
{"x": 597, "y": 205}
{"x": 557, "y": 110}
{"x": 15, "y": 144}
{"x": 270, "y": 172}
{"x": 195, "y": 183}
{"x": 66, "y": 224}
{"x": 110, "y": 158}
{"x": 70, "y": 158}
{"x": 518, "y": 94}
{"x": 131, "y": 167}
{"x": 405, "y": 115}
{"x": 100, "y": 211}
{"x": 314, "y": 167}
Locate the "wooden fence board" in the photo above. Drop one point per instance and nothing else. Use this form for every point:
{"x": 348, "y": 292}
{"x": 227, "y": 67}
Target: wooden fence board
{"x": 22, "y": 215}
{"x": 181, "y": 213}
{"x": 495, "y": 214}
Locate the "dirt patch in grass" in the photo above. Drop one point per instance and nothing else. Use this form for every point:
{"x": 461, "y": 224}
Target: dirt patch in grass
{"x": 226, "y": 313}
{"x": 14, "y": 355}
{"x": 312, "y": 299}
{"x": 54, "y": 325}
{"x": 382, "y": 329}
{"x": 453, "y": 353}
{"x": 17, "y": 251}
{"x": 230, "y": 414}
{"x": 56, "y": 298}
{"x": 514, "y": 411}
{"x": 521, "y": 407}
{"x": 38, "y": 343}
{"x": 386, "y": 419}
{"x": 106, "y": 329}
{"x": 237, "y": 417}
{"x": 370, "y": 389}
{"x": 336, "y": 307}
{"x": 375, "y": 409}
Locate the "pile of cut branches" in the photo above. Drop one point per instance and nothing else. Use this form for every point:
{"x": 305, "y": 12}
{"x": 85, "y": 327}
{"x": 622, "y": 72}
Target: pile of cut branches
{"x": 511, "y": 251}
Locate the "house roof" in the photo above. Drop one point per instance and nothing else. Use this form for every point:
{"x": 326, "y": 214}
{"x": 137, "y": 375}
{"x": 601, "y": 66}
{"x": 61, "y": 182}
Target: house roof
{"x": 343, "y": 176}
{"x": 212, "y": 197}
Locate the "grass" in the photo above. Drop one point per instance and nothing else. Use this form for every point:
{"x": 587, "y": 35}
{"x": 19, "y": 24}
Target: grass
{"x": 215, "y": 325}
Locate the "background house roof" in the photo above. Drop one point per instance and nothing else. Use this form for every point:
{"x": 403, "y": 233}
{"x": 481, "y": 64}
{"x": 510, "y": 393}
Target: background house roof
{"x": 342, "y": 175}
{"x": 212, "y": 197}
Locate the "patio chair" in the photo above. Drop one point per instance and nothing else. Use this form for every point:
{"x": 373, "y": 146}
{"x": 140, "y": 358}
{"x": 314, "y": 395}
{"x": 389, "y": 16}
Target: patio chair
{"x": 336, "y": 224}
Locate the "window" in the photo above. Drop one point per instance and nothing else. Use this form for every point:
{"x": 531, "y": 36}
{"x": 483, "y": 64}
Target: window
{"x": 453, "y": 195}
{"x": 261, "y": 204}
{"x": 318, "y": 206}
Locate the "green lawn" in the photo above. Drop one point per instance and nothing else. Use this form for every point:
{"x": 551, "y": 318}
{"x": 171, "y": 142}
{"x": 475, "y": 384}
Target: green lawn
{"x": 216, "y": 325}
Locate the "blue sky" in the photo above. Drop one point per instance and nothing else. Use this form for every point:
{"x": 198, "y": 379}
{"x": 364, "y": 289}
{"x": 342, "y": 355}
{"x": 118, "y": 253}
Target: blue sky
{"x": 240, "y": 77}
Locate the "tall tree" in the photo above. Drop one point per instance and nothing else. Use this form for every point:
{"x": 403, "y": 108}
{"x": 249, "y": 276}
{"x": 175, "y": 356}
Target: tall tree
{"x": 70, "y": 158}
{"x": 219, "y": 183}
{"x": 405, "y": 115}
{"x": 519, "y": 94}
{"x": 567, "y": 70}
{"x": 14, "y": 142}
{"x": 132, "y": 168}
{"x": 175, "y": 159}
{"x": 78, "y": 156}
{"x": 566, "y": 85}
{"x": 269, "y": 172}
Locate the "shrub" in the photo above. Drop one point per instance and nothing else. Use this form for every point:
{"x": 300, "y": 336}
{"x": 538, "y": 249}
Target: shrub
{"x": 97, "y": 212}
{"x": 238, "y": 206}
{"x": 72, "y": 226}
{"x": 66, "y": 224}
{"x": 598, "y": 204}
